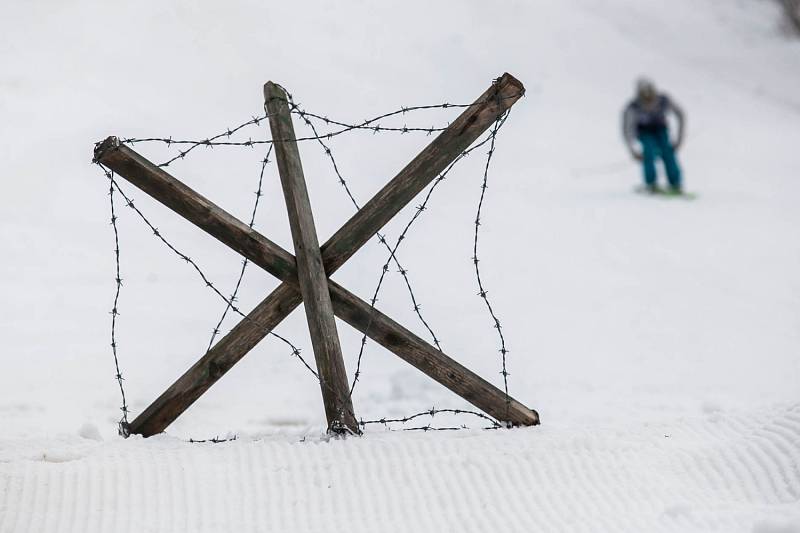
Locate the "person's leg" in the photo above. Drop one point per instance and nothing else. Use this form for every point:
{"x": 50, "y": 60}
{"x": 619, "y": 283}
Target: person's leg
{"x": 670, "y": 161}
{"x": 649, "y": 144}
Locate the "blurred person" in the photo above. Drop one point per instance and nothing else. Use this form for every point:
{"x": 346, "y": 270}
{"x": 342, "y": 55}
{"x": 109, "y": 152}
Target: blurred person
{"x": 645, "y": 120}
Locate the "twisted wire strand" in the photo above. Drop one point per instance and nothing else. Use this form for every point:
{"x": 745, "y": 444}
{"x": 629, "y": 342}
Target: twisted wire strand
{"x": 245, "y": 261}
{"x": 209, "y": 142}
{"x": 123, "y": 422}
{"x": 482, "y": 292}
{"x": 433, "y": 411}
{"x": 367, "y": 124}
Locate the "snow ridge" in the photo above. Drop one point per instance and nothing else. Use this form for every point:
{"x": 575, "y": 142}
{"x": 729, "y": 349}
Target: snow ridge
{"x": 720, "y": 472}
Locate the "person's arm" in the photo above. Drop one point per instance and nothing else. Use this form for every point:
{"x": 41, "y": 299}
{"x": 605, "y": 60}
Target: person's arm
{"x": 681, "y": 116}
{"x": 628, "y": 128}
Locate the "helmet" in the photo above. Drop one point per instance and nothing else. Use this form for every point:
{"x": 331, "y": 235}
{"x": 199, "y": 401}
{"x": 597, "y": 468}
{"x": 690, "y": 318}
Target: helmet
{"x": 645, "y": 88}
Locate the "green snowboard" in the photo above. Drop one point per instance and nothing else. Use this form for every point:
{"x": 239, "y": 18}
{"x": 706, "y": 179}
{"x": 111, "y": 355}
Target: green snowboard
{"x": 665, "y": 193}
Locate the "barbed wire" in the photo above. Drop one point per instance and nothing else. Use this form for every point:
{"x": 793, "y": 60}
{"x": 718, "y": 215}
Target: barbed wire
{"x": 123, "y": 422}
{"x": 433, "y": 411}
{"x": 209, "y": 142}
{"x": 213, "y": 440}
{"x": 482, "y": 292}
{"x": 387, "y": 421}
{"x": 245, "y": 261}
{"x": 374, "y": 126}
{"x": 212, "y": 141}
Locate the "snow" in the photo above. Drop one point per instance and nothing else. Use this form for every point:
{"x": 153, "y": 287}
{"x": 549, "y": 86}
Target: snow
{"x": 657, "y": 338}
{"x": 702, "y": 475}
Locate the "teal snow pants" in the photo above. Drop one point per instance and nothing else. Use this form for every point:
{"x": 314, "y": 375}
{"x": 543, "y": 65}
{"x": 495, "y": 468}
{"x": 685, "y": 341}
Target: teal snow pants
{"x": 656, "y": 144}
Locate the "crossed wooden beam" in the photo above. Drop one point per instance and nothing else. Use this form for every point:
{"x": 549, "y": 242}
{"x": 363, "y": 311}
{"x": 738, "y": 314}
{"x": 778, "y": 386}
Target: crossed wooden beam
{"x": 305, "y": 277}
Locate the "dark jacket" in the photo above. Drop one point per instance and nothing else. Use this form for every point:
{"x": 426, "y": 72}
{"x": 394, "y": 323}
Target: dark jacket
{"x": 640, "y": 118}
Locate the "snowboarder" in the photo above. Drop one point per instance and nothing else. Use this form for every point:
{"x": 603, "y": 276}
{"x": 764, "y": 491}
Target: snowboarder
{"x": 645, "y": 119}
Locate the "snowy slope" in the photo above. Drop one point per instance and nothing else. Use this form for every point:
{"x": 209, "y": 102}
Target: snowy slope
{"x": 657, "y": 339}
{"x": 718, "y": 473}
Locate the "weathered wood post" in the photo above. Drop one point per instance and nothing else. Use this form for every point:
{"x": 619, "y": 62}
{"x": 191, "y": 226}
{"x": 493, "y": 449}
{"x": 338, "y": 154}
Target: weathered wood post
{"x": 310, "y": 269}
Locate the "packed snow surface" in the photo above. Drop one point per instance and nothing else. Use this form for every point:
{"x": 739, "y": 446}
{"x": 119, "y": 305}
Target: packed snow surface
{"x": 657, "y": 338}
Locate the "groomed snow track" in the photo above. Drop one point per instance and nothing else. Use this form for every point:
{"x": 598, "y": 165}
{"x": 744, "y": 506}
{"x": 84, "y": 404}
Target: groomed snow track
{"x": 719, "y": 472}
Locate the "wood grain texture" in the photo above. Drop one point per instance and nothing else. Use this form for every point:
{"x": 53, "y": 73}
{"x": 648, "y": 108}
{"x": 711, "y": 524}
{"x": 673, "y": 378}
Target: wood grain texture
{"x": 476, "y": 119}
{"x": 310, "y": 270}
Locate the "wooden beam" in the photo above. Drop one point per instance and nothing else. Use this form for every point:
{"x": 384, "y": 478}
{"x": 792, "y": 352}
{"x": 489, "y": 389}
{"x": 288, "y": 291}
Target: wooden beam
{"x": 195, "y": 208}
{"x": 310, "y": 270}
{"x": 503, "y": 93}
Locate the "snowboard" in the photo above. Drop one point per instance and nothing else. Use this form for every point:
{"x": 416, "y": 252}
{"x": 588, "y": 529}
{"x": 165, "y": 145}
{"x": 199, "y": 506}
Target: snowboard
{"x": 665, "y": 193}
